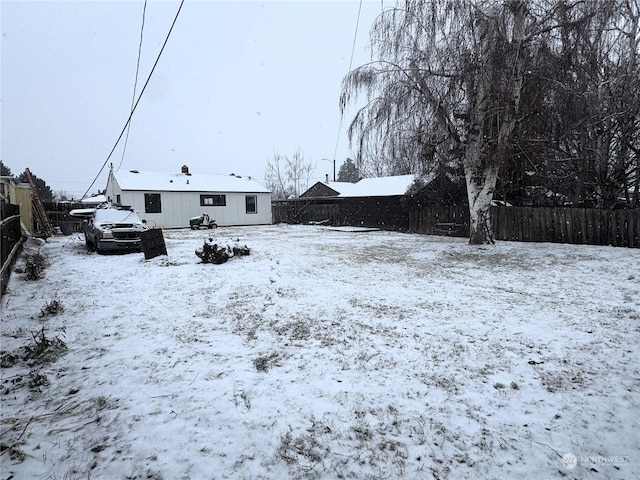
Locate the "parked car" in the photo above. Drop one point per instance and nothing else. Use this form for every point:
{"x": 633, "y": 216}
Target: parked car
{"x": 112, "y": 230}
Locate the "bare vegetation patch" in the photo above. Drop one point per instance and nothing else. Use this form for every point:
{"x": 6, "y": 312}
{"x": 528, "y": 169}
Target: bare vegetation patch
{"x": 54, "y": 307}
{"x": 296, "y": 330}
{"x": 305, "y": 450}
{"x": 265, "y": 362}
{"x": 44, "y": 348}
{"x": 562, "y": 380}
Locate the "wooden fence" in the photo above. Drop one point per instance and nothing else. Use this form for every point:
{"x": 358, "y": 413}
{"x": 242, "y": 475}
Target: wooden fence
{"x": 619, "y": 228}
{"x": 10, "y": 241}
{"x": 58, "y": 213}
{"x": 389, "y": 213}
{"x": 592, "y": 226}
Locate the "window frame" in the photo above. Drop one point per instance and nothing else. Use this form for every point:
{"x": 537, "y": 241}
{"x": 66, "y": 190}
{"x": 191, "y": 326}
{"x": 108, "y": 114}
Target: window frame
{"x": 152, "y": 203}
{"x": 255, "y": 204}
{"x": 220, "y": 197}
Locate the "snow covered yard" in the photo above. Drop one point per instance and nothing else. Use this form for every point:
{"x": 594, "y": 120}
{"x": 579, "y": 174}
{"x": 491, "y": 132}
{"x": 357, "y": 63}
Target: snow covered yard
{"x": 324, "y": 354}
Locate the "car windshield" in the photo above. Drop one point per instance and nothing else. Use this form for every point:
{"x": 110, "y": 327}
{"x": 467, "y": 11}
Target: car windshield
{"x": 113, "y": 216}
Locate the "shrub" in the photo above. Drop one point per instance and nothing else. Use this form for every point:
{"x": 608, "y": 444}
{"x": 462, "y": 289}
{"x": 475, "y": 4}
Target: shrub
{"x": 35, "y": 266}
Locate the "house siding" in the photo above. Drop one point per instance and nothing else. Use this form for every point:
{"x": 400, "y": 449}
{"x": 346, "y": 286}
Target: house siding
{"x": 179, "y": 207}
{"x": 20, "y": 194}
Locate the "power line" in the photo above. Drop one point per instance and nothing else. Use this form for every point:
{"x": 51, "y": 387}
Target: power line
{"x": 138, "y": 101}
{"x": 135, "y": 84}
{"x": 353, "y": 48}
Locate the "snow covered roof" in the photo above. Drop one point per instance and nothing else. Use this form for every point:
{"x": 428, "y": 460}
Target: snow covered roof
{"x": 95, "y": 200}
{"x": 185, "y": 182}
{"x": 379, "y": 187}
{"x": 341, "y": 187}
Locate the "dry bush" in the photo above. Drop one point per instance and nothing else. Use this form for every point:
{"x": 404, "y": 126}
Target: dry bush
{"x": 34, "y": 269}
{"x": 51, "y": 308}
{"x": 44, "y": 349}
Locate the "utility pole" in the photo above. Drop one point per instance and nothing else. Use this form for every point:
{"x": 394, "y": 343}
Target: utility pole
{"x": 334, "y": 166}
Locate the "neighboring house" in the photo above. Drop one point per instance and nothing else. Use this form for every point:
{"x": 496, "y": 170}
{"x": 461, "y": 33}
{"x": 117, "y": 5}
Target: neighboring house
{"x": 367, "y": 187}
{"x": 372, "y": 202}
{"x": 19, "y": 194}
{"x": 327, "y": 189}
{"x": 169, "y": 200}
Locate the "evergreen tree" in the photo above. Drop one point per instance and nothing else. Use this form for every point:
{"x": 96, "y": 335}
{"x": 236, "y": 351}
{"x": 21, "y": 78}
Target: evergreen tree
{"x": 4, "y": 170}
{"x": 349, "y": 172}
{"x": 46, "y": 195}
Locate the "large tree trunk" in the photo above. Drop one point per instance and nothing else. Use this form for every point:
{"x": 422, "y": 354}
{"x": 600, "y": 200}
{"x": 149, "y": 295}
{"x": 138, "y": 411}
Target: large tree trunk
{"x": 487, "y": 149}
{"x": 480, "y": 186}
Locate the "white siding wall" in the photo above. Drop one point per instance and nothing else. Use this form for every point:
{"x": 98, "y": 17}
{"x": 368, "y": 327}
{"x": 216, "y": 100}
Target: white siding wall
{"x": 179, "y": 207}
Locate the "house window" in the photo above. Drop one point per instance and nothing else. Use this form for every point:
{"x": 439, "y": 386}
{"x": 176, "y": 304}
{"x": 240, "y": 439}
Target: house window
{"x": 118, "y": 199}
{"x": 213, "y": 200}
{"x": 251, "y": 202}
{"x": 152, "y": 203}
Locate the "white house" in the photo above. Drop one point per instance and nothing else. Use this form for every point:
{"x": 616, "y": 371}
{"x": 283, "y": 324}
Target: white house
{"x": 169, "y": 200}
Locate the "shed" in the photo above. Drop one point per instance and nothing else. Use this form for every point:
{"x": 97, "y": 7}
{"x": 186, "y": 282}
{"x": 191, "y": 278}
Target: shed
{"x": 169, "y": 200}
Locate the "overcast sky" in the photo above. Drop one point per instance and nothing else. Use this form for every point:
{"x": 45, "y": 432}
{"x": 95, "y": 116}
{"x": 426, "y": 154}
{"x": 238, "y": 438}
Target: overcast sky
{"x": 238, "y": 81}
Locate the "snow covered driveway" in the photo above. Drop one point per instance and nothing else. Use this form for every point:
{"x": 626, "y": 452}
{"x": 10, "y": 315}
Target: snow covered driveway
{"x": 324, "y": 354}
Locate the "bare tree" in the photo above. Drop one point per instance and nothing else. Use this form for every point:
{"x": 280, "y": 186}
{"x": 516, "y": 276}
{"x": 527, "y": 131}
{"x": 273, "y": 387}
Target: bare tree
{"x": 275, "y": 177}
{"x": 449, "y": 78}
{"x": 584, "y": 110}
{"x": 288, "y": 177}
{"x": 448, "y": 81}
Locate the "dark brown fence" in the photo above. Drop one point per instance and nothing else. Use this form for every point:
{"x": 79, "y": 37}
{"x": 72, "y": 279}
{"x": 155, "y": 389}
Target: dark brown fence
{"x": 619, "y": 228}
{"x": 305, "y": 211}
{"x": 11, "y": 238}
{"x": 389, "y": 213}
{"x": 58, "y": 214}
{"x": 449, "y": 220}
{"x": 592, "y": 226}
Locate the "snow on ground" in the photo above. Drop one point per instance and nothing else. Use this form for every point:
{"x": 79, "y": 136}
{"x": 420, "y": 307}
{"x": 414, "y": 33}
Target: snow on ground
{"x": 324, "y": 354}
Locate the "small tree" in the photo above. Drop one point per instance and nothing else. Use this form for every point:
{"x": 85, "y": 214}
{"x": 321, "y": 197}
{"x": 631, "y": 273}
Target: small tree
{"x": 349, "y": 172}
{"x": 61, "y": 196}
{"x": 288, "y": 177}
